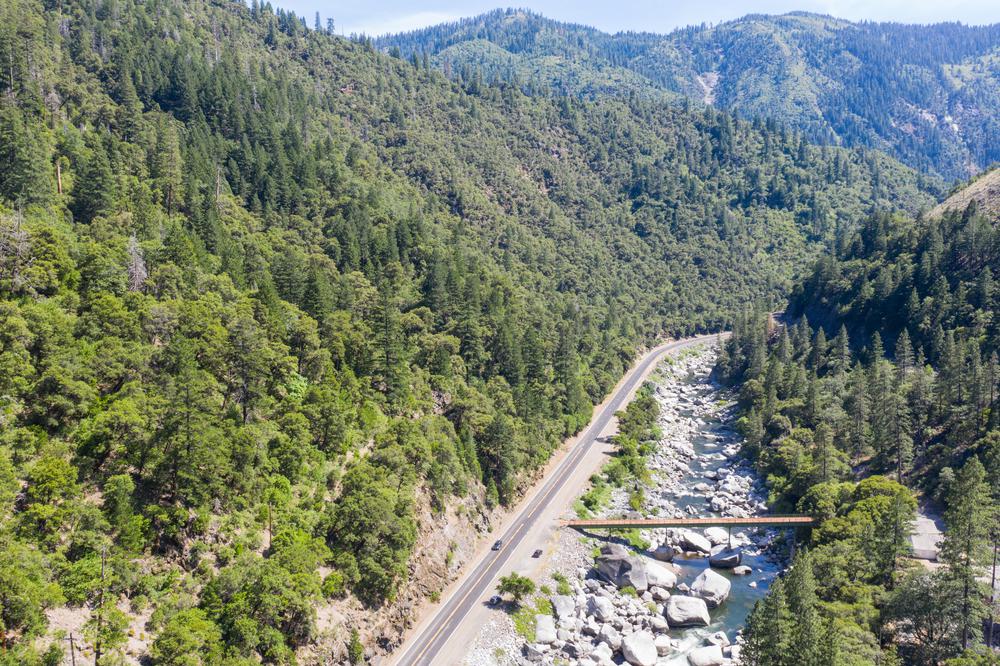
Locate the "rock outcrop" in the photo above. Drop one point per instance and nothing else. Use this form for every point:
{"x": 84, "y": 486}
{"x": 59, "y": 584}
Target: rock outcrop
{"x": 639, "y": 649}
{"x": 621, "y": 569}
{"x": 725, "y": 558}
{"x": 692, "y": 541}
{"x": 684, "y": 611}
{"x": 710, "y": 655}
{"x": 712, "y": 587}
{"x": 545, "y": 629}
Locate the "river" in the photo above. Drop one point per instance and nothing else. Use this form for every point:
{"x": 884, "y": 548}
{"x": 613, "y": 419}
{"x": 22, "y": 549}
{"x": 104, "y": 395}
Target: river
{"x": 700, "y": 445}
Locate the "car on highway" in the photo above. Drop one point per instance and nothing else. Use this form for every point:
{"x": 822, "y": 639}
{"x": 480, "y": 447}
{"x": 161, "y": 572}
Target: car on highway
{"x": 537, "y": 553}
{"x": 497, "y": 544}
{"x": 494, "y": 600}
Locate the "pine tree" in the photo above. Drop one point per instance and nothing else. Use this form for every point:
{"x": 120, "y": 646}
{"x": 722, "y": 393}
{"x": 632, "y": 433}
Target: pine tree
{"x": 769, "y": 630}
{"x": 94, "y": 193}
{"x": 921, "y": 398}
{"x": 901, "y": 428}
{"x": 389, "y": 336}
{"x": 167, "y": 167}
{"x": 859, "y": 430}
{"x": 805, "y": 646}
{"x": 881, "y": 398}
{"x": 904, "y": 353}
{"x": 24, "y": 153}
{"x": 818, "y": 354}
{"x": 966, "y": 541}
{"x": 841, "y": 351}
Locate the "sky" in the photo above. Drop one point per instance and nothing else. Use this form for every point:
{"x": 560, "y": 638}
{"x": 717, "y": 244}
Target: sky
{"x": 376, "y": 17}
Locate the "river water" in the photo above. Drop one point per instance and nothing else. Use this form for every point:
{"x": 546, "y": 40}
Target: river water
{"x": 699, "y": 444}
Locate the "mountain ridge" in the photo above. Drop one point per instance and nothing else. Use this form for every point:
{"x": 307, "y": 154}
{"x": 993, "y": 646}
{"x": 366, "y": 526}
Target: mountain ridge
{"x": 905, "y": 89}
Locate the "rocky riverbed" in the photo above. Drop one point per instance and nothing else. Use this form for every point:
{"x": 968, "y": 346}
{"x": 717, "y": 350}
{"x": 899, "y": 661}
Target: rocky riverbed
{"x": 683, "y": 600}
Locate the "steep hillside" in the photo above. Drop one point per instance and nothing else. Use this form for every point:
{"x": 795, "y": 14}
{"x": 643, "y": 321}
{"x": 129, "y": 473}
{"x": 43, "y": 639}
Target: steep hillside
{"x": 926, "y": 94}
{"x": 284, "y": 320}
{"x": 984, "y": 191}
{"x": 899, "y": 379}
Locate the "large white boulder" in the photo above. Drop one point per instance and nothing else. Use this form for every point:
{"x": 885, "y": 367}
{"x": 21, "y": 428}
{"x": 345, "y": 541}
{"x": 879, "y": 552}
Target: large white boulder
{"x": 712, "y": 587}
{"x": 621, "y": 569}
{"x": 717, "y": 535}
{"x": 545, "y": 629}
{"x": 639, "y": 649}
{"x": 611, "y": 636}
{"x": 658, "y": 624}
{"x": 602, "y": 654}
{"x": 663, "y": 645}
{"x": 663, "y": 553}
{"x": 658, "y": 594}
{"x": 695, "y": 542}
{"x": 725, "y": 558}
{"x": 564, "y": 606}
{"x": 601, "y": 608}
{"x": 658, "y": 575}
{"x": 707, "y": 656}
{"x": 684, "y": 611}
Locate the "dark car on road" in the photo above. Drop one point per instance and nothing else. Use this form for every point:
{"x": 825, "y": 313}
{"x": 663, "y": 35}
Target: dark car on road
{"x": 537, "y": 553}
{"x": 494, "y": 600}
{"x": 497, "y": 544}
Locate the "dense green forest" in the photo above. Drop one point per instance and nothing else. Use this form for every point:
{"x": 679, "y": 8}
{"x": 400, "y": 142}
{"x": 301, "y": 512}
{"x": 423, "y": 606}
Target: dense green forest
{"x": 899, "y": 378}
{"x": 272, "y": 300}
{"x": 927, "y": 94}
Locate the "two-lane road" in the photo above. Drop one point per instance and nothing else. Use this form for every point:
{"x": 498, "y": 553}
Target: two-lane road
{"x": 446, "y": 635}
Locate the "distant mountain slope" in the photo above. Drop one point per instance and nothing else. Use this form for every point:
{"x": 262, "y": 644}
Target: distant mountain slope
{"x": 985, "y": 191}
{"x": 928, "y": 95}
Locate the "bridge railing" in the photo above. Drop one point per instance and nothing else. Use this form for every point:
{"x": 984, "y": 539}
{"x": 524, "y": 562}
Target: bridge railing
{"x": 719, "y": 521}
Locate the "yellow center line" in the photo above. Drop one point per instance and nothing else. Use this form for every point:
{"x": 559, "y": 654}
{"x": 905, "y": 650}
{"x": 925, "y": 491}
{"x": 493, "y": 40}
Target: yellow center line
{"x": 461, "y": 601}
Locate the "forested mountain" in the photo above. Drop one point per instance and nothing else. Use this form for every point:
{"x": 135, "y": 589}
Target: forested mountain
{"x": 899, "y": 377}
{"x": 273, "y": 303}
{"x": 926, "y": 94}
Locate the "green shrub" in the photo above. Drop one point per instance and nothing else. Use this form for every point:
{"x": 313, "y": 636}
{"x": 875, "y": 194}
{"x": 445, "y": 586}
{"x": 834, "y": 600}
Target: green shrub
{"x": 334, "y": 586}
{"x": 355, "y": 650}
{"x": 562, "y": 585}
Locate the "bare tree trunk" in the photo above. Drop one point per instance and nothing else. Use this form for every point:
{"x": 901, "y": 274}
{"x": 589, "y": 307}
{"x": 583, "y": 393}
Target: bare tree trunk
{"x": 100, "y": 611}
{"x": 993, "y": 596}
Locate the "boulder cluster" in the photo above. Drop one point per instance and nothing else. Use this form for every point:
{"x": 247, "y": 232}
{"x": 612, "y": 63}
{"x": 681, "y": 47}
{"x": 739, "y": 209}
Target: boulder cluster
{"x": 600, "y": 621}
{"x": 625, "y": 605}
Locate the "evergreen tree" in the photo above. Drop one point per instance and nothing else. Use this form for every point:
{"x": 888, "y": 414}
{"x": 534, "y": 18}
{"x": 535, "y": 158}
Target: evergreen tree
{"x": 807, "y": 632}
{"x": 94, "y": 193}
{"x": 768, "y": 630}
{"x": 966, "y": 542}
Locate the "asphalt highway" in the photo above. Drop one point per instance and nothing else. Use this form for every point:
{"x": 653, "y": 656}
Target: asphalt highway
{"x": 447, "y": 632}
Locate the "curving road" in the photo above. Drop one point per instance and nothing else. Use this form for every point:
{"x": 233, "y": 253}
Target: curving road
{"x": 447, "y": 633}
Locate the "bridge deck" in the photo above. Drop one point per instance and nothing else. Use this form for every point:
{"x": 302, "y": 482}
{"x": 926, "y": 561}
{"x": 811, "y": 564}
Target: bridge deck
{"x": 626, "y": 523}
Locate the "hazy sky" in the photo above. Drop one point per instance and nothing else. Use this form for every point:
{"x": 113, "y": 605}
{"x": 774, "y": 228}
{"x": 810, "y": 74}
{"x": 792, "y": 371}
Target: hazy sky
{"x": 375, "y": 17}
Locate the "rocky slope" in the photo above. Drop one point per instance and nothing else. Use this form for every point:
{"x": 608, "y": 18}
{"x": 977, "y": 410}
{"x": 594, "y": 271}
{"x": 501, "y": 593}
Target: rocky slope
{"x": 985, "y": 191}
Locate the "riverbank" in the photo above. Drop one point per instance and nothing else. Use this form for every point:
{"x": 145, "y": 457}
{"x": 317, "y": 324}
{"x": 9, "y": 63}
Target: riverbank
{"x": 628, "y": 603}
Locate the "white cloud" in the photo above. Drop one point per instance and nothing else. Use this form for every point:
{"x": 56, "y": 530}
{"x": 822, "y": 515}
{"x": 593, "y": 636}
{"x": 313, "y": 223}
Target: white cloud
{"x": 382, "y": 25}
